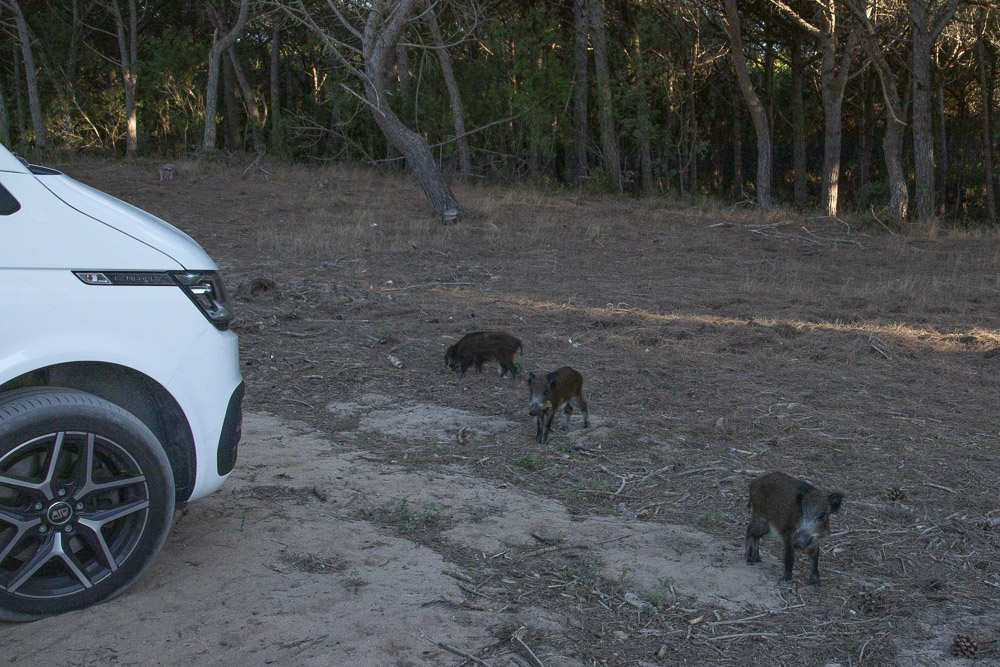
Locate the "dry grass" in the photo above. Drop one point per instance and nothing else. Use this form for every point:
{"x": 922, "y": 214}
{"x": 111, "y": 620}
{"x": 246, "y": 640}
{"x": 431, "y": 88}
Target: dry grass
{"x": 713, "y": 343}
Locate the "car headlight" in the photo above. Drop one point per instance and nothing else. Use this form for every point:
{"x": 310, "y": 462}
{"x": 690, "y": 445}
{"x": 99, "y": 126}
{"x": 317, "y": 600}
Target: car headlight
{"x": 206, "y": 290}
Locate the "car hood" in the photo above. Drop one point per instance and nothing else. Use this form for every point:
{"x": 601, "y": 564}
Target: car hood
{"x": 128, "y": 219}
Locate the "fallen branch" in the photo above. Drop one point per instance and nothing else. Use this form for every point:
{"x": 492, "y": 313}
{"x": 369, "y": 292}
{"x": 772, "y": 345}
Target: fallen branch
{"x": 548, "y": 550}
{"x": 742, "y": 635}
{"x": 516, "y": 638}
{"x": 456, "y": 603}
{"x": 877, "y": 344}
{"x": 938, "y": 486}
{"x": 621, "y": 477}
{"x": 881, "y": 223}
{"x": 457, "y": 651}
{"x": 655, "y": 472}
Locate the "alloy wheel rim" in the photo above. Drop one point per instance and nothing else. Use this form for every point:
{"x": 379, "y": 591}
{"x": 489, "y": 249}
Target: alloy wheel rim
{"x": 73, "y": 507}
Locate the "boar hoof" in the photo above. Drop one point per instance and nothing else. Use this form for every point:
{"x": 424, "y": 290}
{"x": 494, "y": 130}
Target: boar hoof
{"x": 814, "y": 580}
{"x": 787, "y": 576}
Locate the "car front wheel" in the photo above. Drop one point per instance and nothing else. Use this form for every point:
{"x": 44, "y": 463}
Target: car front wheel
{"x": 86, "y": 501}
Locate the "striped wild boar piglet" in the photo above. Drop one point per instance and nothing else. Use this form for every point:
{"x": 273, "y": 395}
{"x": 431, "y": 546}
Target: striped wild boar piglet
{"x": 475, "y": 349}
{"x": 549, "y": 392}
{"x": 795, "y": 510}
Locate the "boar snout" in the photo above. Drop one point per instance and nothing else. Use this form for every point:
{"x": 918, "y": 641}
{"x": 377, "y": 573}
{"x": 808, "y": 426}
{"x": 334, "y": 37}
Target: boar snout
{"x": 804, "y": 540}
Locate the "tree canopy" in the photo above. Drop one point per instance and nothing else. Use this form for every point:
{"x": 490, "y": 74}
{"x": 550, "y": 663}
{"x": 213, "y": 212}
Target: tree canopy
{"x": 868, "y": 106}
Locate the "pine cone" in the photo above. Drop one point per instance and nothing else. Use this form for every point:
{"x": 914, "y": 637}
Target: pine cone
{"x": 965, "y": 646}
{"x": 895, "y": 493}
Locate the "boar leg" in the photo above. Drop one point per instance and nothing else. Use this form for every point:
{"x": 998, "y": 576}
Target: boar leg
{"x": 569, "y": 411}
{"x": 548, "y": 425}
{"x": 814, "y": 575}
{"x": 581, "y": 405}
{"x": 538, "y": 427}
{"x": 756, "y": 530}
{"x": 789, "y": 556}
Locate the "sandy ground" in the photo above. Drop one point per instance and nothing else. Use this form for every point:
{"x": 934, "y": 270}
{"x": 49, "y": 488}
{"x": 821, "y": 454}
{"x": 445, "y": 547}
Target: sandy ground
{"x": 278, "y": 569}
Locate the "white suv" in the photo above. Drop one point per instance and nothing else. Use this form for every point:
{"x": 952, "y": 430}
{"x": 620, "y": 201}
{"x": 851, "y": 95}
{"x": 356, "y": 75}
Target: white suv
{"x": 120, "y": 388}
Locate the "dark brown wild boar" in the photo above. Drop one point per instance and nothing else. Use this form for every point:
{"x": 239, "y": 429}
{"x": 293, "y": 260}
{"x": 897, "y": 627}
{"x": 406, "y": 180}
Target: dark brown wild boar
{"x": 552, "y": 391}
{"x": 481, "y": 346}
{"x": 795, "y": 510}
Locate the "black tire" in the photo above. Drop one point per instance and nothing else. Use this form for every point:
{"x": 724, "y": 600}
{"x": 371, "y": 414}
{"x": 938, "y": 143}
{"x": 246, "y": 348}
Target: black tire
{"x": 86, "y": 501}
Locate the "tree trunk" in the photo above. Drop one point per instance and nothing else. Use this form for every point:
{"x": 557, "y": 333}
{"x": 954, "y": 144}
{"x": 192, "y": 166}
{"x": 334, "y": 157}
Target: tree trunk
{"x": 892, "y": 149}
{"x": 18, "y": 96}
{"x": 383, "y": 29}
{"x": 800, "y": 192}
{"x": 214, "y": 58}
{"x": 231, "y": 116}
{"x": 580, "y": 58}
{"x": 249, "y": 101}
{"x": 644, "y": 127}
{"x": 984, "y": 89}
{"x": 70, "y": 73}
{"x": 464, "y": 163}
{"x": 31, "y": 80}
{"x": 757, "y": 110}
{"x": 866, "y": 138}
{"x": 941, "y": 150}
{"x": 737, "y": 191}
{"x": 923, "y": 36}
{"x": 923, "y": 142}
{"x": 605, "y": 111}
{"x": 277, "y": 126}
{"x": 833, "y": 82}
{"x": 895, "y": 115}
{"x": 128, "y": 53}
{"x": 4, "y": 120}
{"x": 403, "y": 75}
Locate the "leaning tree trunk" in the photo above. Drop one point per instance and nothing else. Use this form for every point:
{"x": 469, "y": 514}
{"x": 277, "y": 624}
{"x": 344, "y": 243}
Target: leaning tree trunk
{"x": 605, "y": 111}
{"x": 214, "y": 58}
{"x": 757, "y": 110}
{"x": 378, "y": 45}
{"x": 464, "y": 163}
{"x": 31, "y": 79}
{"x": 249, "y": 101}
{"x": 580, "y": 58}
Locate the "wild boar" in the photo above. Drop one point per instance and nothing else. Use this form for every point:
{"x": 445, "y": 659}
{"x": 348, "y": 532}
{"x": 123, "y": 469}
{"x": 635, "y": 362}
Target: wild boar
{"x": 795, "y": 510}
{"x": 549, "y": 393}
{"x": 166, "y": 172}
{"x": 481, "y": 346}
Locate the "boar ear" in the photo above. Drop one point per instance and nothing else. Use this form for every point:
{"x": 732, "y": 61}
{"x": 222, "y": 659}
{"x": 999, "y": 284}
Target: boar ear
{"x": 531, "y": 376}
{"x": 798, "y": 498}
{"x": 835, "y": 499}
